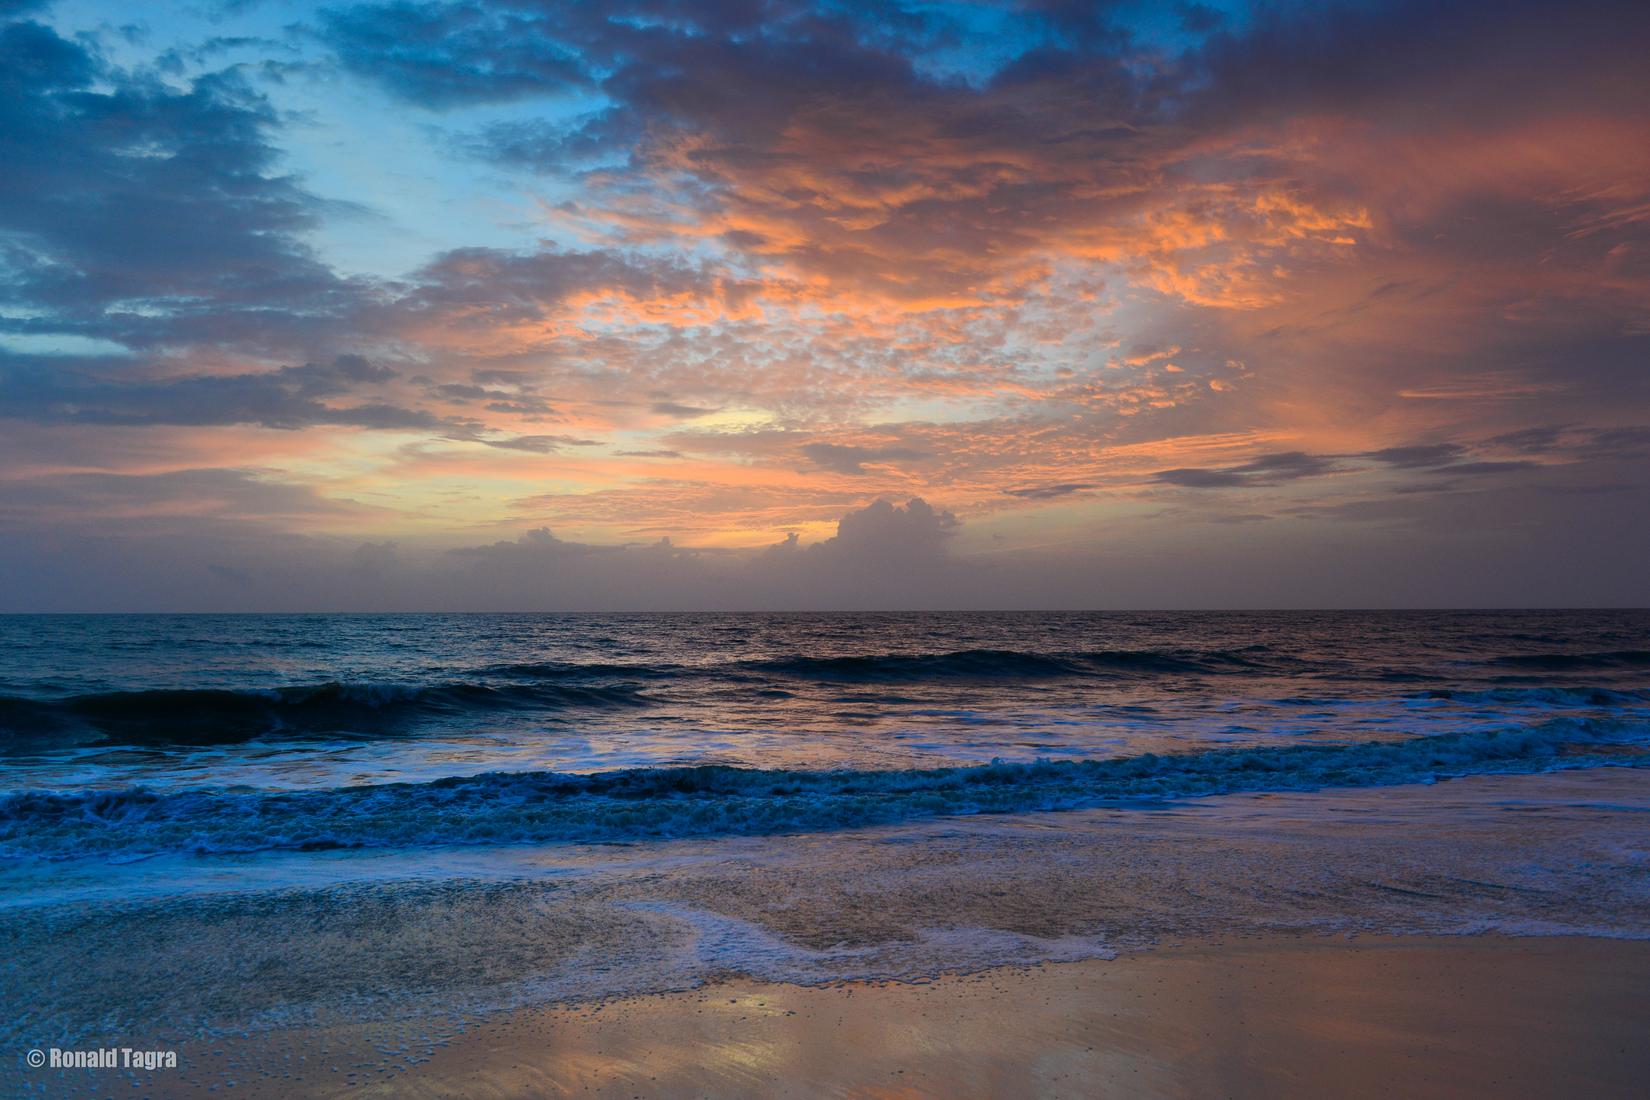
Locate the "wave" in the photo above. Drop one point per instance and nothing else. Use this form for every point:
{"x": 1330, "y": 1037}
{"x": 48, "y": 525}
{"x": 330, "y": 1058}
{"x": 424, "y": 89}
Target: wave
{"x": 229, "y": 714}
{"x": 1024, "y": 664}
{"x": 1540, "y": 696}
{"x": 1578, "y": 662}
{"x": 651, "y": 803}
{"x": 1010, "y": 664}
{"x": 213, "y": 716}
{"x": 572, "y": 670}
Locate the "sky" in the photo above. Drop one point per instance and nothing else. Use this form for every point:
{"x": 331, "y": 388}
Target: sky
{"x": 678, "y": 304}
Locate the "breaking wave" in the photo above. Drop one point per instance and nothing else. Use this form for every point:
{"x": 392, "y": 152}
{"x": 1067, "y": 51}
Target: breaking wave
{"x": 213, "y": 716}
{"x": 651, "y": 803}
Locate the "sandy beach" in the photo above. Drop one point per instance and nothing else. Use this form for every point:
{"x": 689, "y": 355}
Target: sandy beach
{"x": 1270, "y": 1017}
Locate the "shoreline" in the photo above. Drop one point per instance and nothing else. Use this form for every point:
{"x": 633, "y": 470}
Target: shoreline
{"x": 1274, "y": 1016}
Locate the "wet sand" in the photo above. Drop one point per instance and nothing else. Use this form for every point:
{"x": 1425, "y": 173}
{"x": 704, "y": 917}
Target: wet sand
{"x": 1275, "y": 1017}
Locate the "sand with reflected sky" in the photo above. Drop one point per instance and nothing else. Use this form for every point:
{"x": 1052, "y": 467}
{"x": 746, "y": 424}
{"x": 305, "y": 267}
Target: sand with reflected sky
{"x": 1301, "y": 1017}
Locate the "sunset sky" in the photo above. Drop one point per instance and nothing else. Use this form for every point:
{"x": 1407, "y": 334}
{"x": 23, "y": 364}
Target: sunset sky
{"x": 678, "y": 305}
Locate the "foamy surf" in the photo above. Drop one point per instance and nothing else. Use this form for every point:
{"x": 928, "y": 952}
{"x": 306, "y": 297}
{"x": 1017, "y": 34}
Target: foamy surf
{"x": 652, "y": 803}
{"x": 347, "y": 936}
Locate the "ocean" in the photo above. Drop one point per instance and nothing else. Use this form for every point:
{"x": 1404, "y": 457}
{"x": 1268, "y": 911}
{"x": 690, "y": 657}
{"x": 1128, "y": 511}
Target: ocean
{"x": 462, "y": 812}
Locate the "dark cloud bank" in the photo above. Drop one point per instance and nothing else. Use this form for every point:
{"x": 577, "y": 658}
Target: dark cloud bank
{"x": 883, "y": 555}
{"x": 1454, "y": 549}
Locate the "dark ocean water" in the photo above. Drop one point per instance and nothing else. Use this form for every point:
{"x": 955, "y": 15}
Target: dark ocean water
{"x": 127, "y": 736}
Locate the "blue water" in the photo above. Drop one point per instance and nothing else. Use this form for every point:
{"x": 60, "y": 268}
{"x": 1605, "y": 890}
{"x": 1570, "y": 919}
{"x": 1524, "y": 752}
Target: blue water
{"x": 127, "y": 736}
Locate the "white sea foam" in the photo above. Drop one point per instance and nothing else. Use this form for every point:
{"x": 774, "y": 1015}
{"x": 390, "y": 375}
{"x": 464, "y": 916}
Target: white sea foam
{"x": 366, "y": 934}
{"x": 535, "y": 807}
